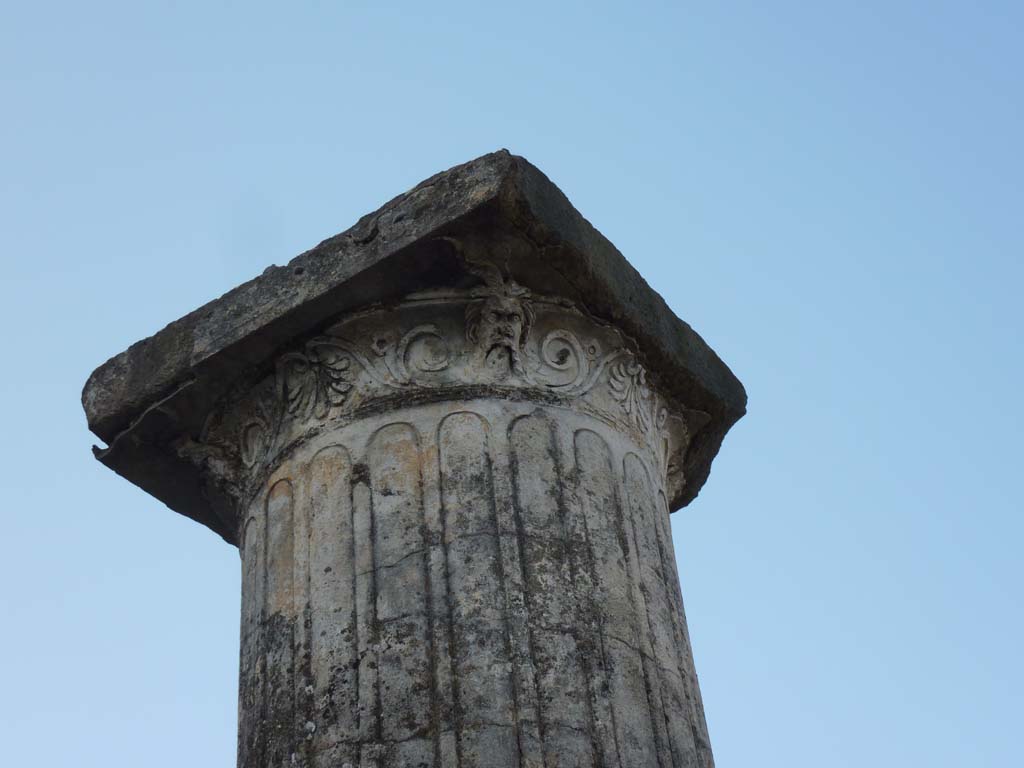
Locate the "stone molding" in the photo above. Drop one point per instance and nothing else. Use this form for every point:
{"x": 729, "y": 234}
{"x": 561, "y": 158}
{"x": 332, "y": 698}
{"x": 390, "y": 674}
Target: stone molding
{"x": 495, "y": 340}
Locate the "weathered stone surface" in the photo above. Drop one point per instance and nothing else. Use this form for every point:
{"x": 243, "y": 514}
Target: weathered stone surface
{"x": 499, "y": 206}
{"x": 456, "y": 547}
{"x": 447, "y": 444}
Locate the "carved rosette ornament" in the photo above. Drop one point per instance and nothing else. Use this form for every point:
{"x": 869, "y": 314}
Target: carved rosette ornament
{"x": 446, "y": 443}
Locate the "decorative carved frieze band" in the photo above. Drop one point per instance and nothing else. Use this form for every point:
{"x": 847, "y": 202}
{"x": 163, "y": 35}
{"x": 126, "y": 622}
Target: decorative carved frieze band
{"x": 498, "y": 340}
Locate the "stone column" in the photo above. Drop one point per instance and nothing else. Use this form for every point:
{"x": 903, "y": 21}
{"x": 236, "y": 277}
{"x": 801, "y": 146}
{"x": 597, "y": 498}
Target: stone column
{"x": 450, "y": 483}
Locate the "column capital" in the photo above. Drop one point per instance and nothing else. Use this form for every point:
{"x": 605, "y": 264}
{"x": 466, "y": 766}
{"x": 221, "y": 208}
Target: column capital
{"x": 508, "y": 267}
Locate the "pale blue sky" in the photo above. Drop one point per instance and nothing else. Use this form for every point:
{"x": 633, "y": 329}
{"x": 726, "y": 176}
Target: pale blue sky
{"x": 830, "y": 193}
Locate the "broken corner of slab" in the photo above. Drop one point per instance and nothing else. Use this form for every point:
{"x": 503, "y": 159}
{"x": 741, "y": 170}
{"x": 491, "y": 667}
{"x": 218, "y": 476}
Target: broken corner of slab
{"x": 480, "y": 282}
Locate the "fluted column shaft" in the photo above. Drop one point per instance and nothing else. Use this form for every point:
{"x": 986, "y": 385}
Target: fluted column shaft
{"x": 469, "y": 583}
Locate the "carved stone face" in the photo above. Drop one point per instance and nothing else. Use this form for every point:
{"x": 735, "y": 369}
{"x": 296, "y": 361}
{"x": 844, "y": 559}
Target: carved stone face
{"x": 498, "y": 327}
{"x": 500, "y": 324}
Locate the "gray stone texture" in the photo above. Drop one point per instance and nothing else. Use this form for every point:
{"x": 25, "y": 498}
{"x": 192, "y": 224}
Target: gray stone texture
{"x": 447, "y": 443}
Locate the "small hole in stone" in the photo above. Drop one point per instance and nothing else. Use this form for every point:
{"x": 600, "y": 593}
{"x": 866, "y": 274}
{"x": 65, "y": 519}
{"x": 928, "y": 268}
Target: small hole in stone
{"x": 299, "y": 270}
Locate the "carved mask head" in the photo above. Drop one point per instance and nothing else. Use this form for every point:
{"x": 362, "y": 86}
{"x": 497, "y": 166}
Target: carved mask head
{"x": 499, "y": 325}
{"x": 501, "y": 322}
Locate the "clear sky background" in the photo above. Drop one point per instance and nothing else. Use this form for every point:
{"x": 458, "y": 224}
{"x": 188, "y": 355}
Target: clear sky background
{"x": 830, "y": 193}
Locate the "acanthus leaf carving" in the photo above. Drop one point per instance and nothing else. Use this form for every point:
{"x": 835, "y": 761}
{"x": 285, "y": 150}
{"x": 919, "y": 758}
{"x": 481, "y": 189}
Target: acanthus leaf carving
{"x": 323, "y": 376}
{"x": 627, "y": 381}
{"x": 258, "y": 424}
{"x": 311, "y": 382}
